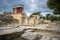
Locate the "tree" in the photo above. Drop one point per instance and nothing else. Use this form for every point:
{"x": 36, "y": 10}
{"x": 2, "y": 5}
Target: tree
{"x": 42, "y": 17}
{"x": 35, "y": 13}
{"x": 6, "y": 12}
{"x": 48, "y": 16}
{"x": 54, "y": 5}
{"x": 52, "y": 17}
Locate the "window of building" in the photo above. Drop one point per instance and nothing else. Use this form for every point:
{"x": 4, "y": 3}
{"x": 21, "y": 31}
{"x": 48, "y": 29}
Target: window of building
{"x": 19, "y": 10}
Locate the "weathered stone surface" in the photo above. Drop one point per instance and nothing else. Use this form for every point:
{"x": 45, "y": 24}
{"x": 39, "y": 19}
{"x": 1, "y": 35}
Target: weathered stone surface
{"x": 11, "y": 36}
{"x": 31, "y": 36}
{"x": 45, "y": 37}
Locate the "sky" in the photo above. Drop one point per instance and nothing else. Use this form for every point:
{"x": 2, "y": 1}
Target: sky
{"x": 30, "y": 6}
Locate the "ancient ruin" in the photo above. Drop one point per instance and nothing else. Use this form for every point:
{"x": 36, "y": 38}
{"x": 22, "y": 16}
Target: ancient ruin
{"x": 21, "y": 27}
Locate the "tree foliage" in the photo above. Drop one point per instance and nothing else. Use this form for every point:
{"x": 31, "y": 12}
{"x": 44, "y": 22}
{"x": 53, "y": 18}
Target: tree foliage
{"x": 52, "y": 17}
{"x": 6, "y": 12}
{"x": 35, "y": 13}
{"x": 48, "y": 16}
{"x": 54, "y": 5}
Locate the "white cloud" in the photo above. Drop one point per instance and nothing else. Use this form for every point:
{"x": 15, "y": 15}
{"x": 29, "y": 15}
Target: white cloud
{"x": 36, "y": 5}
{"x": 1, "y": 12}
{"x": 32, "y": 1}
{"x": 28, "y": 13}
{"x": 30, "y": 5}
{"x": 33, "y": 7}
{"x": 44, "y": 13}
